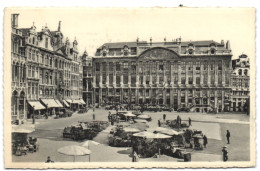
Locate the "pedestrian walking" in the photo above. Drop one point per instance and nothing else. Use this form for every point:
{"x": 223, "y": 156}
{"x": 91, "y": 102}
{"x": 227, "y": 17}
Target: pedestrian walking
{"x": 164, "y": 117}
{"x": 94, "y": 116}
{"x": 205, "y": 141}
{"x": 225, "y": 153}
{"x": 228, "y": 136}
{"x": 159, "y": 123}
{"x": 33, "y": 119}
{"x": 180, "y": 121}
{"x": 189, "y": 121}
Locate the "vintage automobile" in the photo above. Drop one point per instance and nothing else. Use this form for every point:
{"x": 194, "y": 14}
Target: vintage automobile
{"x": 174, "y": 124}
{"x": 110, "y": 107}
{"x": 153, "y": 108}
{"x": 183, "y": 109}
{"x": 84, "y": 130}
{"x": 137, "y": 107}
{"x": 83, "y": 110}
{"x": 166, "y": 108}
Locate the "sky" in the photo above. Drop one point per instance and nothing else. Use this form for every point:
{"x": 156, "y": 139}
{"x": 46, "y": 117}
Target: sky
{"x": 93, "y": 27}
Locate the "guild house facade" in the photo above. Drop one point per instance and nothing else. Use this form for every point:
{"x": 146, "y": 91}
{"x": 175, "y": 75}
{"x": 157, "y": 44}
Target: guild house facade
{"x": 240, "y": 79}
{"x": 194, "y": 74}
{"x": 46, "y": 71}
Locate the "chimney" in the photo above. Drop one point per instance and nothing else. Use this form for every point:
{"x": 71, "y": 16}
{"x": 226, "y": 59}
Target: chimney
{"x": 222, "y": 42}
{"x": 151, "y": 41}
{"x": 228, "y": 45}
{"x": 165, "y": 40}
{"x": 59, "y": 25}
{"x": 14, "y": 20}
{"x": 137, "y": 40}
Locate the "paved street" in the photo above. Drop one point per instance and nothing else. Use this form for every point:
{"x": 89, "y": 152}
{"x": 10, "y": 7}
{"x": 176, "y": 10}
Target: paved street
{"x": 49, "y": 134}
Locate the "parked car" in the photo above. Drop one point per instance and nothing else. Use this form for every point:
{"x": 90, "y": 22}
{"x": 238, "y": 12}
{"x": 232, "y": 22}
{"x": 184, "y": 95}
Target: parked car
{"x": 166, "y": 108}
{"x": 183, "y": 109}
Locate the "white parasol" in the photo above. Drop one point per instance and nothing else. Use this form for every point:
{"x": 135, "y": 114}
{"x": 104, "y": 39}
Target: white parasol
{"x": 74, "y": 150}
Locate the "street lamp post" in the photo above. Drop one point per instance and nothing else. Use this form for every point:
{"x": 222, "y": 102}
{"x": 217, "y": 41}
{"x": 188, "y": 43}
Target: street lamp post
{"x": 33, "y": 117}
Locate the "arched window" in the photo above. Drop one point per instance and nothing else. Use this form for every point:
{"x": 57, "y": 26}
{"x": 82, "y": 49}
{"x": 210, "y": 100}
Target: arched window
{"x": 14, "y": 105}
{"x": 240, "y": 72}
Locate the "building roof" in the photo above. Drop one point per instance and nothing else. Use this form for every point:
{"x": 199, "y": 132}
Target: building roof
{"x": 200, "y": 43}
{"x": 117, "y": 45}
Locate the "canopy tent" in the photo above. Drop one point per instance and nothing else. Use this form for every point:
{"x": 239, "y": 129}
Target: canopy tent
{"x": 65, "y": 103}
{"x": 36, "y": 105}
{"x": 50, "y": 103}
{"x": 58, "y": 102}
{"x": 143, "y": 117}
{"x": 128, "y": 129}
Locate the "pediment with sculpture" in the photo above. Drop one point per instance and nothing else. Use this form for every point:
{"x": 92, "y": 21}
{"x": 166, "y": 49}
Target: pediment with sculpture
{"x": 158, "y": 53}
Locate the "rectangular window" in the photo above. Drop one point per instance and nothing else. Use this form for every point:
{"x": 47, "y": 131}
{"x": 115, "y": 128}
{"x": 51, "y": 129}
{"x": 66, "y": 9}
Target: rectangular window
{"x": 125, "y": 65}
{"x": 110, "y": 78}
{"x": 197, "y": 80}
{"x": 125, "y": 79}
{"x": 161, "y": 67}
{"x": 97, "y": 67}
{"x": 117, "y": 79}
{"x": 183, "y": 79}
{"x": 133, "y": 79}
{"x": 140, "y": 79}
{"x": 220, "y": 66}
{"x": 117, "y": 66}
{"x": 104, "y": 78}
{"x": 190, "y": 80}
{"x": 183, "y": 99}
{"x": 111, "y": 68}
{"x": 29, "y": 71}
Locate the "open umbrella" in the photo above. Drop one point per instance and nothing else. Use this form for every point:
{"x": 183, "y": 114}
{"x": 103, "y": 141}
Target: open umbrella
{"x": 87, "y": 144}
{"x": 166, "y": 131}
{"x": 143, "y": 116}
{"x": 74, "y": 150}
{"x": 129, "y": 115}
{"x": 140, "y": 121}
{"x": 22, "y": 130}
{"x": 128, "y": 129}
{"x": 151, "y": 135}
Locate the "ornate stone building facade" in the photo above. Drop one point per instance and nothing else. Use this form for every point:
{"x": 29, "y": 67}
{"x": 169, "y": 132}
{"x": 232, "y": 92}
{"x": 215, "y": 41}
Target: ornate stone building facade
{"x": 87, "y": 79}
{"x": 194, "y": 74}
{"x": 46, "y": 71}
{"x": 240, "y": 80}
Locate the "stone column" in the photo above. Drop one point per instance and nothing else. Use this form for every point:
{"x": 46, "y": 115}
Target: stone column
{"x": 136, "y": 96}
{"x": 216, "y": 99}
{"x": 179, "y": 73}
{"x": 186, "y": 97}
{"x": 186, "y": 73}
{"x": 107, "y": 73}
{"x": 216, "y": 73}
{"x": 129, "y": 75}
{"x": 164, "y": 96}
{"x": 208, "y": 74}
{"x": 157, "y": 73}
{"x": 114, "y": 74}
{"x": 194, "y": 73}
{"x": 223, "y": 73}
{"x": 179, "y": 97}
{"x": 171, "y": 97}
{"x": 201, "y": 73}
{"x": 222, "y": 100}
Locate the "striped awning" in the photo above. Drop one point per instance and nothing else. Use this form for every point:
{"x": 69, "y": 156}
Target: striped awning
{"x": 50, "y": 103}
{"x": 58, "y": 102}
{"x": 36, "y": 105}
{"x": 65, "y": 103}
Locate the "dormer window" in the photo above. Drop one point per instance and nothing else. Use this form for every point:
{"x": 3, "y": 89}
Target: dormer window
{"x": 104, "y": 54}
{"x": 125, "y": 53}
{"x": 212, "y": 51}
{"x": 190, "y": 51}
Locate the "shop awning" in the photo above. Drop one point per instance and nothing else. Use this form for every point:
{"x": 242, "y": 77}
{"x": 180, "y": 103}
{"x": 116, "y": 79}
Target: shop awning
{"x": 36, "y": 105}
{"x": 76, "y": 101}
{"x": 58, "y": 102}
{"x": 71, "y": 101}
{"x": 65, "y": 103}
{"x": 82, "y": 101}
{"x": 50, "y": 103}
